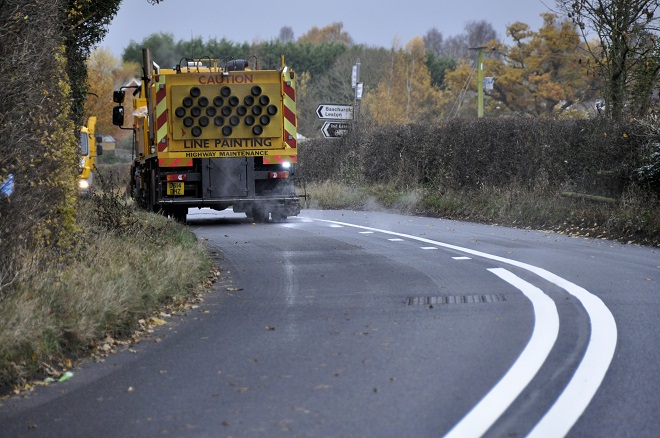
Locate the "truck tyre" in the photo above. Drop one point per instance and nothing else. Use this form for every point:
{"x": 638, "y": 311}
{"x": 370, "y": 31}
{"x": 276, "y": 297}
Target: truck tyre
{"x": 259, "y": 215}
{"x": 278, "y": 216}
{"x": 180, "y": 214}
{"x": 153, "y": 191}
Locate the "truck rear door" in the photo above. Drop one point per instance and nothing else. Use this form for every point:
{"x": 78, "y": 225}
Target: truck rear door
{"x": 225, "y": 177}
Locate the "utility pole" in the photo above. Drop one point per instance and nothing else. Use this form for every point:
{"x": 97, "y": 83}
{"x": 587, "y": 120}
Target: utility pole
{"x": 357, "y": 86}
{"x": 480, "y": 80}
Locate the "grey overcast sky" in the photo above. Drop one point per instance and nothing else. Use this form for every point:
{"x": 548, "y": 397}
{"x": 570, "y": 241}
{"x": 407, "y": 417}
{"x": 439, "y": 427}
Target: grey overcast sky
{"x": 370, "y": 22}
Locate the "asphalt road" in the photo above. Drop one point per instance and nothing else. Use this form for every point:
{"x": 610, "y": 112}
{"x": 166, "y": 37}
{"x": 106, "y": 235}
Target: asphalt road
{"x": 342, "y": 324}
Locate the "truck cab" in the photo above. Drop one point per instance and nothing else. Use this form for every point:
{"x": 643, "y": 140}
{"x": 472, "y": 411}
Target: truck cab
{"x": 89, "y": 147}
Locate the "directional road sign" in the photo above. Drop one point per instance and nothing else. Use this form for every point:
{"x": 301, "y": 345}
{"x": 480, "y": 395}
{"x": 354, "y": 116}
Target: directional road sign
{"x": 335, "y": 112}
{"x": 335, "y": 129}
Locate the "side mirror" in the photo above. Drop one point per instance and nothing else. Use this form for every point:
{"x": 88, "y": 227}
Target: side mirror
{"x": 118, "y": 96}
{"x": 118, "y": 116}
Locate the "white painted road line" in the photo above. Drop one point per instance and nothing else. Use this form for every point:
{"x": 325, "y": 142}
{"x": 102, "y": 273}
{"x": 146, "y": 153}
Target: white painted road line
{"x": 462, "y": 258}
{"x": 590, "y": 373}
{"x": 546, "y": 328}
{"x": 597, "y": 358}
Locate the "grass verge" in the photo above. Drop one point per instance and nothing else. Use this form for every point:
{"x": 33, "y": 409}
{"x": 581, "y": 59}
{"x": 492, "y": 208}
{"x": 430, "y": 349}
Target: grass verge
{"x": 127, "y": 265}
{"x": 634, "y": 218}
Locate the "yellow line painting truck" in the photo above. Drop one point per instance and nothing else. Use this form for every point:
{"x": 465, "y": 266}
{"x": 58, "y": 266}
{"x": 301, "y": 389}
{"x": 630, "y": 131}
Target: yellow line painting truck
{"x": 89, "y": 148}
{"x": 214, "y": 133}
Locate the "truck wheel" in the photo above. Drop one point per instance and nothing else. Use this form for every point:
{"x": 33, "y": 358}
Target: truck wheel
{"x": 179, "y": 214}
{"x": 176, "y": 213}
{"x": 279, "y": 216}
{"x": 259, "y": 215}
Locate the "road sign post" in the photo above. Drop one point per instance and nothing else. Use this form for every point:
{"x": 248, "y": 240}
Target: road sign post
{"x": 357, "y": 86}
{"x": 340, "y": 115}
{"x": 334, "y": 112}
{"x": 335, "y": 129}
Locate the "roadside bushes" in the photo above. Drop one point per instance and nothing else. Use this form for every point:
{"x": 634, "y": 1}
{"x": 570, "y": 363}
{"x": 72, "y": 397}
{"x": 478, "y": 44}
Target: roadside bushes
{"x": 37, "y": 142}
{"x": 577, "y": 155}
{"x": 583, "y": 177}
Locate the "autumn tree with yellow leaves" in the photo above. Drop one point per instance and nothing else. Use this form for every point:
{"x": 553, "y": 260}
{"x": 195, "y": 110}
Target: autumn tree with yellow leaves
{"x": 405, "y": 93}
{"x": 543, "y": 73}
{"x": 332, "y": 33}
{"x": 105, "y": 73}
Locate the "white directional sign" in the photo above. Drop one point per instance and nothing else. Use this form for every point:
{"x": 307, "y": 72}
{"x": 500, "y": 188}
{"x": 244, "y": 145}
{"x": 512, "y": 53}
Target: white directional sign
{"x": 335, "y": 129}
{"x": 335, "y": 112}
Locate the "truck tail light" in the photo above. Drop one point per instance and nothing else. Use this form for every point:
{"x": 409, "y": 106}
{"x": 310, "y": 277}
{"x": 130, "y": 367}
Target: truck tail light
{"x": 278, "y": 175}
{"x": 177, "y": 177}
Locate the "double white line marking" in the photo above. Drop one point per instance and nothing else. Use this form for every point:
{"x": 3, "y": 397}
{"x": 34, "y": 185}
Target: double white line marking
{"x": 588, "y": 376}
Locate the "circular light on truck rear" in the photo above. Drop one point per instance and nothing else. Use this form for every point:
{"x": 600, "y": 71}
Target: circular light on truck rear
{"x": 196, "y": 131}
{"x": 180, "y": 112}
{"x": 195, "y": 92}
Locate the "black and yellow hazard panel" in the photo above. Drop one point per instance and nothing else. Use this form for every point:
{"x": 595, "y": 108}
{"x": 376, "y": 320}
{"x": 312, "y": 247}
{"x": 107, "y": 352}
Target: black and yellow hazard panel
{"x": 229, "y": 111}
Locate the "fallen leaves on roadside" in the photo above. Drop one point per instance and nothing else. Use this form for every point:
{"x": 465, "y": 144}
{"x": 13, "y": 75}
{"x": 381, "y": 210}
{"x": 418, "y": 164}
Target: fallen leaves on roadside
{"x": 56, "y": 368}
{"x": 155, "y": 322}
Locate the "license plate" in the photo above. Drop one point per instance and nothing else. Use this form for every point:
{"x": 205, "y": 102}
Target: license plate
{"x": 175, "y": 188}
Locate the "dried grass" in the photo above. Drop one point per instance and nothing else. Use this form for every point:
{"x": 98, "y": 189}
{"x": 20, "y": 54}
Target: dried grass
{"x": 114, "y": 282}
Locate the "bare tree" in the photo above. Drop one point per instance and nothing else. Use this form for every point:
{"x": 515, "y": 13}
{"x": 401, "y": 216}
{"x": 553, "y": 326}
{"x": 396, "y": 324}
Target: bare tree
{"x": 433, "y": 41}
{"x": 627, "y": 48}
{"x": 475, "y": 34}
{"x": 456, "y": 46}
{"x": 286, "y": 34}
{"x": 479, "y": 33}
